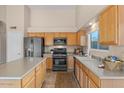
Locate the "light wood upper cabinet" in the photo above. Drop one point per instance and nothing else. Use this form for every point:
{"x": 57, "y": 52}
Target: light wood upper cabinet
{"x": 36, "y": 34}
{"x": 79, "y": 34}
{"x": 49, "y": 36}
{"x": 60, "y": 34}
{"x": 71, "y": 38}
{"x": 56, "y": 34}
{"x": 111, "y": 25}
{"x": 103, "y": 28}
{"x": 63, "y": 34}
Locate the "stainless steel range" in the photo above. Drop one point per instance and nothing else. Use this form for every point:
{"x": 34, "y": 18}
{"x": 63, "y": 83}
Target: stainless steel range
{"x": 59, "y": 59}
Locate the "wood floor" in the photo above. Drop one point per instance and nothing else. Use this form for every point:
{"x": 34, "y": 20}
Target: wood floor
{"x": 60, "y": 80}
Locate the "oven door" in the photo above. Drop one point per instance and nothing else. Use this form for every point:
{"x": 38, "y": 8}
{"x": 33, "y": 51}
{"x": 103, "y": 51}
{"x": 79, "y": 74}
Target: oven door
{"x": 59, "y": 61}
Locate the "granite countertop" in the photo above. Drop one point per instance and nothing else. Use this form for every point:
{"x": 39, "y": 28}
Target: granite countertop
{"x": 92, "y": 65}
{"x": 19, "y": 68}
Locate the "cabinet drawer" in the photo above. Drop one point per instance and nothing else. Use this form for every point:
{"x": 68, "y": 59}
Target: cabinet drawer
{"x": 28, "y": 77}
{"x": 94, "y": 78}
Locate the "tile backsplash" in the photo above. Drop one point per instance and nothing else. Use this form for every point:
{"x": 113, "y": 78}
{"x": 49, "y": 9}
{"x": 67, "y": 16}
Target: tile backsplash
{"x": 70, "y": 49}
{"x": 113, "y": 50}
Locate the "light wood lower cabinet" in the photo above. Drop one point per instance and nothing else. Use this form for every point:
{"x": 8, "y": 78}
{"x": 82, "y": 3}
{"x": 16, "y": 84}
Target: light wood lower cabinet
{"x": 27, "y": 80}
{"x": 91, "y": 84}
{"x": 43, "y": 66}
{"x": 85, "y": 77}
{"x": 33, "y": 79}
{"x": 77, "y": 71}
{"x": 31, "y": 83}
{"x": 10, "y": 83}
{"x": 81, "y": 82}
{"x": 70, "y": 63}
{"x": 49, "y": 63}
{"x": 38, "y": 76}
{"x": 85, "y": 80}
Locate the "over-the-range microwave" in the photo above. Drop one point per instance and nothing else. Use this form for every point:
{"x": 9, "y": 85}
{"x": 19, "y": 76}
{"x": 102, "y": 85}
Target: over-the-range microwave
{"x": 60, "y": 41}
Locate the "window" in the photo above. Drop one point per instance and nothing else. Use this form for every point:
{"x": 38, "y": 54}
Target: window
{"x": 94, "y": 41}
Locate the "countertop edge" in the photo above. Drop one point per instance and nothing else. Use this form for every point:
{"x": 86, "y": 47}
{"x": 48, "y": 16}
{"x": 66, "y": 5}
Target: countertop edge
{"x": 101, "y": 77}
{"x": 20, "y": 77}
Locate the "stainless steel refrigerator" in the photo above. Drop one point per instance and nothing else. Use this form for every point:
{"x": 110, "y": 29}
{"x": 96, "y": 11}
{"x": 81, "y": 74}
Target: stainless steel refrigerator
{"x": 33, "y": 47}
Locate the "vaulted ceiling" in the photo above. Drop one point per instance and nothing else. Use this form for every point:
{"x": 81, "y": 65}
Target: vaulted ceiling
{"x": 83, "y": 13}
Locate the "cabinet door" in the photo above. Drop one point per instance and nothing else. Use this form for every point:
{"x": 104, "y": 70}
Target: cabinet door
{"x": 81, "y": 78}
{"x": 41, "y": 34}
{"x": 112, "y": 25}
{"x": 79, "y": 34}
{"x": 35, "y": 34}
{"x": 30, "y": 34}
{"x": 38, "y": 76}
{"x": 78, "y": 38}
{"x": 85, "y": 80}
{"x": 63, "y": 34}
{"x": 78, "y": 73}
{"x": 70, "y": 63}
{"x": 76, "y": 70}
{"x": 49, "y": 38}
{"x": 44, "y": 70}
{"x": 71, "y": 38}
{"x": 103, "y": 26}
{"x": 49, "y": 63}
{"x": 108, "y": 26}
{"x": 30, "y": 84}
{"x": 56, "y": 34}
{"x": 28, "y": 78}
{"x": 91, "y": 84}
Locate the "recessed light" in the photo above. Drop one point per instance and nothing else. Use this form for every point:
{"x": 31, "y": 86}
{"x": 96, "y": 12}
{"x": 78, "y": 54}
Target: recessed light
{"x": 90, "y": 23}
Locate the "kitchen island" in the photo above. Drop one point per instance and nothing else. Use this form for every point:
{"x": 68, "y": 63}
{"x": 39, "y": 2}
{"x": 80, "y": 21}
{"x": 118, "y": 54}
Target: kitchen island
{"x": 89, "y": 75}
{"x": 24, "y": 72}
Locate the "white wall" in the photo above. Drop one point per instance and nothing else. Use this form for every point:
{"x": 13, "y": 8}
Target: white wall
{"x": 15, "y": 15}
{"x": 86, "y": 12}
{"x": 113, "y": 50}
{"x": 14, "y": 45}
{"x": 26, "y": 17}
{"x": 3, "y": 13}
{"x": 53, "y": 18}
